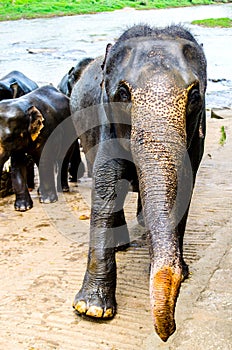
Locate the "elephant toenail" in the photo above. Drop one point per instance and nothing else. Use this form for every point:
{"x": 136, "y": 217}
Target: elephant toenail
{"x": 108, "y": 313}
{"x": 95, "y": 311}
{"x": 80, "y": 307}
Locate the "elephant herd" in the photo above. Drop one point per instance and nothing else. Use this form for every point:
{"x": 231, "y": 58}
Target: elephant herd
{"x": 139, "y": 114}
{"x": 28, "y": 116}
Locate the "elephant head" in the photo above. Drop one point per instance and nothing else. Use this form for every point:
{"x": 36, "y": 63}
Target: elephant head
{"x": 68, "y": 81}
{"x": 159, "y": 76}
{"x": 20, "y": 125}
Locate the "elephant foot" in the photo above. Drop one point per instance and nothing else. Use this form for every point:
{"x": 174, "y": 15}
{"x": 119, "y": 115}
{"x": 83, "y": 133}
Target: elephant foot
{"x": 122, "y": 247}
{"x": 63, "y": 188}
{"x": 48, "y": 198}
{"x": 72, "y": 178}
{"x": 98, "y": 302}
{"x": 23, "y": 204}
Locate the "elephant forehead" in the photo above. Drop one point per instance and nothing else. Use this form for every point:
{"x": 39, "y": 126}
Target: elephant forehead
{"x": 166, "y": 52}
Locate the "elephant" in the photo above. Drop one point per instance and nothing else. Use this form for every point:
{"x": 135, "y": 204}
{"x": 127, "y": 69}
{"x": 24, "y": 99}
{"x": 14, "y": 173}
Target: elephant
{"x": 75, "y": 165}
{"x": 15, "y": 84}
{"x": 68, "y": 81}
{"x": 25, "y": 126}
{"x": 140, "y": 116}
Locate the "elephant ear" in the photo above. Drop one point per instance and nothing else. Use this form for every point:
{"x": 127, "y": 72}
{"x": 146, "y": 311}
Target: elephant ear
{"x": 108, "y": 48}
{"x": 16, "y": 90}
{"x": 36, "y": 122}
{"x": 103, "y": 66}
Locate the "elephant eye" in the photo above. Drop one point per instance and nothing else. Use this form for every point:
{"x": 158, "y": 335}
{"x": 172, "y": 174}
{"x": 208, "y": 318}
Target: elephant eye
{"x": 194, "y": 99}
{"x": 194, "y": 94}
{"x": 122, "y": 94}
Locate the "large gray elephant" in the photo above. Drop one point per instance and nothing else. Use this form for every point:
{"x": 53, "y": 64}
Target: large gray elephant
{"x": 148, "y": 97}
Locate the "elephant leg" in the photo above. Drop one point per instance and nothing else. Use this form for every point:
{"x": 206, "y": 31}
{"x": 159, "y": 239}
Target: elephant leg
{"x": 62, "y": 176}
{"x": 181, "y": 231}
{"x": 140, "y": 217}
{"x": 195, "y": 154}
{"x": 30, "y": 173}
{"x": 23, "y": 199}
{"x": 76, "y": 166}
{"x": 47, "y": 187}
{"x": 97, "y": 295}
{"x": 120, "y": 231}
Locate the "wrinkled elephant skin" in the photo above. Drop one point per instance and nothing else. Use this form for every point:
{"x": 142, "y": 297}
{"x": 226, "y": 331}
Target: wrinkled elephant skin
{"x": 151, "y": 86}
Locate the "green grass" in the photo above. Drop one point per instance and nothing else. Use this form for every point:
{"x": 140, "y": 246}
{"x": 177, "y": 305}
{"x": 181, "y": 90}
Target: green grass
{"x": 215, "y": 22}
{"x": 223, "y": 136}
{"x": 16, "y": 9}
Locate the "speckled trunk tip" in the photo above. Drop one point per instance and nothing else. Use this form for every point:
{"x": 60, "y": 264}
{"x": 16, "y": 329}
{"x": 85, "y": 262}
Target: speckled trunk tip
{"x": 164, "y": 289}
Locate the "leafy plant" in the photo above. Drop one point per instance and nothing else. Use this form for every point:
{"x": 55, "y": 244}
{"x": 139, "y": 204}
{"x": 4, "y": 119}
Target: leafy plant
{"x": 223, "y": 136}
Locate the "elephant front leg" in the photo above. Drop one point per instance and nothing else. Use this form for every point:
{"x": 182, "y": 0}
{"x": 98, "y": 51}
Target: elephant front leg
{"x": 97, "y": 295}
{"x": 23, "y": 199}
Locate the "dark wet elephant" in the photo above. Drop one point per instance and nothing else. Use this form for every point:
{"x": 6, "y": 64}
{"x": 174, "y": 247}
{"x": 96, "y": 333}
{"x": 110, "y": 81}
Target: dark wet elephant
{"x": 15, "y": 84}
{"x": 25, "y": 126}
{"x": 150, "y": 104}
{"x": 75, "y": 165}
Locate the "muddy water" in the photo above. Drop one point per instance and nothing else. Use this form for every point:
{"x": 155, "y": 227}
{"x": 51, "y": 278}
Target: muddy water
{"x": 45, "y": 49}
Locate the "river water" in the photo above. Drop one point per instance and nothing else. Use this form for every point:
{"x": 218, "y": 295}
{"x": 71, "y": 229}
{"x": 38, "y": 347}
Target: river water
{"x": 45, "y": 49}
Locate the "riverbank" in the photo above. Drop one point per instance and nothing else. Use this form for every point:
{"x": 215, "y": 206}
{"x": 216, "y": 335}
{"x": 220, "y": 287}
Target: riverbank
{"x": 45, "y": 49}
{"x": 18, "y": 9}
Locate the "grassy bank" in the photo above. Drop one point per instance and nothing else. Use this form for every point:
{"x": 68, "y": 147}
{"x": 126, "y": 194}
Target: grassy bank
{"x": 16, "y": 9}
{"x": 214, "y": 22}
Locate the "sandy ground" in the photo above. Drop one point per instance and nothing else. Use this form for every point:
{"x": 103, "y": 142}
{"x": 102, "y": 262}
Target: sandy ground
{"x": 43, "y": 258}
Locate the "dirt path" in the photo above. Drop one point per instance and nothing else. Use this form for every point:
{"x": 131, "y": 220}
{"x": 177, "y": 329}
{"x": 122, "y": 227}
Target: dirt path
{"x": 41, "y": 269}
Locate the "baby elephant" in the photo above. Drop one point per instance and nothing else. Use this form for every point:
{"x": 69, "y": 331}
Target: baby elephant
{"x": 15, "y": 84}
{"x": 25, "y": 126}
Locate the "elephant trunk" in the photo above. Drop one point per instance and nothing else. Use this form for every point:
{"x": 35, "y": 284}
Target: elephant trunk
{"x": 158, "y": 189}
{"x": 158, "y": 145}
